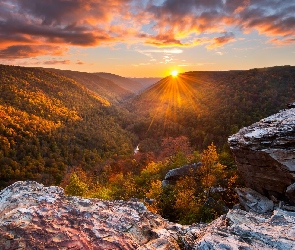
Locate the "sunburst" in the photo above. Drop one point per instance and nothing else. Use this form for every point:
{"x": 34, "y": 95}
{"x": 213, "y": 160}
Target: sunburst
{"x": 174, "y": 73}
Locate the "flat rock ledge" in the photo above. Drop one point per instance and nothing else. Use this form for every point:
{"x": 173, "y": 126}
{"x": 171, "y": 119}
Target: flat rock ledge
{"x": 36, "y": 217}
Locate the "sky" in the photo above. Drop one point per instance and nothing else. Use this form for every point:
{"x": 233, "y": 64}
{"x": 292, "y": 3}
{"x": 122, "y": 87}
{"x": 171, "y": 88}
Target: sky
{"x": 147, "y": 38}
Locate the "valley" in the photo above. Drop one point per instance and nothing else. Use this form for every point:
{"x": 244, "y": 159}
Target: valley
{"x": 148, "y": 125}
{"x": 79, "y": 130}
{"x": 210, "y": 106}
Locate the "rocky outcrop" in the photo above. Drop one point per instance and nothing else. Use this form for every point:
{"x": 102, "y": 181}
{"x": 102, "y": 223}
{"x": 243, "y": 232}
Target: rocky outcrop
{"x": 246, "y": 230}
{"x": 176, "y": 174}
{"x": 253, "y": 201}
{"x": 36, "y": 217}
{"x": 265, "y": 155}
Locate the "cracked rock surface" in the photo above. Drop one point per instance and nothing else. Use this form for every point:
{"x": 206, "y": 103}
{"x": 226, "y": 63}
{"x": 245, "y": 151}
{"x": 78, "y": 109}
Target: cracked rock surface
{"x": 36, "y": 217}
{"x": 247, "y": 230}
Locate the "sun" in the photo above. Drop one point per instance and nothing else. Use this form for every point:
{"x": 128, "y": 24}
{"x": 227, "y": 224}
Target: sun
{"x": 174, "y": 73}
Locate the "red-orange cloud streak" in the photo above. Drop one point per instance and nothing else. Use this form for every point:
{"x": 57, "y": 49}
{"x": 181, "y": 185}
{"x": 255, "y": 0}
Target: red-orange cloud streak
{"x": 45, "y": 27}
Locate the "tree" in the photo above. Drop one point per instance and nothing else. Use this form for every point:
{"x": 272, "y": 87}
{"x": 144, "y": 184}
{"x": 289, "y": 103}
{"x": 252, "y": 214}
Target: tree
{"x": 154, "y": 194}
{"x": 186, "y": 200}
{"x": 76, "y": 187}
{"x": 172, "y": 146}
{"x": 211, "y": 171}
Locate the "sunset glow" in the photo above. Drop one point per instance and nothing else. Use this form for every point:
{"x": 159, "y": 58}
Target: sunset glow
{"x": 174, "y": 73}
{"x": 173, "y": 94}
{"x": 145, "y": 38}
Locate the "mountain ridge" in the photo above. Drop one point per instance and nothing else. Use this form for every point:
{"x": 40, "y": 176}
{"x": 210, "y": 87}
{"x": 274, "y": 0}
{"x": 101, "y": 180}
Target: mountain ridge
{"x": 59, "y": 123}
{"x": 50, "y": 123}
{"x": 103, "y": 87}
{"x": 146, "y": 81}
{"x": 126, "y": 83}
{"x": 210, "y": 105}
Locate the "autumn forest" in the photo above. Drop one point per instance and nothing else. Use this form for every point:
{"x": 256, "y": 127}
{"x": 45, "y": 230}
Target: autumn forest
{"x": 79, "y": 131}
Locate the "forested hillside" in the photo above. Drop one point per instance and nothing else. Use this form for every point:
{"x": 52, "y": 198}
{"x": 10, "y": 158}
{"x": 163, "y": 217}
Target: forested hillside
{"x": 49, "y": 123}
{"x": 124, "y": 82}
{"x": 146, "y": 82}
{"x": 103, "y": 87}
{"x": 209, "y": 106}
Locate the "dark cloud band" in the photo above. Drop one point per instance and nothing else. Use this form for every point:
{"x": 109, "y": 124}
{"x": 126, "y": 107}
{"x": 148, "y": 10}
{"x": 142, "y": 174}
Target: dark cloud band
{"x": 28, "y": 27}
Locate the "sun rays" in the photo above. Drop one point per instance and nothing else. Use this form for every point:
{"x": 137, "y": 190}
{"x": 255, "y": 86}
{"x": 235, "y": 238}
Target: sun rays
{"x": 173, "y": 98}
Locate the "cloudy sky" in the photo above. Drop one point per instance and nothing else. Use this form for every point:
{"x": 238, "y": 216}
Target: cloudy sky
{"x": 147, "y": 37}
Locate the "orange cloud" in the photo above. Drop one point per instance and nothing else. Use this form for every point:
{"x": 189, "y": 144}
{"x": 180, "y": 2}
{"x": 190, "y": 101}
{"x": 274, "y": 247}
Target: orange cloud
{"x": 280, "y": 42}
{"x": 163, "y": 40}
{"x": 220, "y": 41}
{"x": 25, "y": 51}
{"x": 28, "y": 28}
{"x": 54, "y": 62}
{"x": 80, "y": 62}
{"x": 58, "y": 23}
{"x": 270, "y": 18}
{"x": 239, "y": 9}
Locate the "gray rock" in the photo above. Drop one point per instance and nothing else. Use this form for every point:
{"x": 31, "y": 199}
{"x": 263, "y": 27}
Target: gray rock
{"x": 265, "y": 154}
{"x": 290, "y": 193}
{"x": 288, "y": 208}
{"x": 36, "y": 217}
{"x": 43, "y": 217}
{"x": 253, "y": 201}
{"x": 237, "y": 206}
{"x": 165, "y": 183}
{"x": 291, "y": 105}
{"x": 176, "y": 174}
{"x": 247, "y": 230}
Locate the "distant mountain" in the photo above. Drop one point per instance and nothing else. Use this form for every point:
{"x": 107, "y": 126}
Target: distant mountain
{"x": 146, "y": 82}
{"x": 129, "y": 84}
{"x": 209, "y": 106}
{"x": 52, "y": 120}
{"x": 49, "y": 123}
{"x": 104, "y": 87}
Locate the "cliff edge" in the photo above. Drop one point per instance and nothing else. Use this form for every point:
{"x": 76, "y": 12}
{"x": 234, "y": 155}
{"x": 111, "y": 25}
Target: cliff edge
{"x": 36, "y": 217}
{"x": 265, "y": 155}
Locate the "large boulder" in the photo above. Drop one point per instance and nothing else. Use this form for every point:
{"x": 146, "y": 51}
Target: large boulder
{"x": 36, "y": 217}
{"x": 176, "y": 174}
{"x": 265, "y": 155}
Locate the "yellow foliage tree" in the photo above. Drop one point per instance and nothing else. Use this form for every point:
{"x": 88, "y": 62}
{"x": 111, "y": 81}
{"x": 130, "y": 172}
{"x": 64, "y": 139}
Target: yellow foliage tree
{"x": 211, "y": 171}
{"x": 76, "y": 187}
{"x": 149, "y": 174}
{"x": 129, "y": 187}
{"x": 155, "y": 194}
{"x": 186, "y": 201}
{"x": 101, "y": 192}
